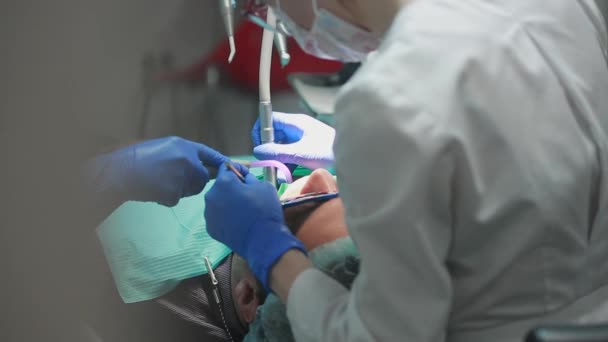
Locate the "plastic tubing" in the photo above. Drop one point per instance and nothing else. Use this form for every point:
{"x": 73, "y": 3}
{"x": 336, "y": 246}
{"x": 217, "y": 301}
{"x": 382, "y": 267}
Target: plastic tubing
{"x": 275, "y": 165}
{"x": 266, "y": 57}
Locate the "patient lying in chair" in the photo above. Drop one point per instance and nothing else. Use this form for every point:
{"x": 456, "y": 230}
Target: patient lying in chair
{"x": 317, "y": 224}
{"x": 189, "y": 311}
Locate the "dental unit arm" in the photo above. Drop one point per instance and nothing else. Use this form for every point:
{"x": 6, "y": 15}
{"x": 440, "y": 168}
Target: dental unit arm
{"x": 265, "y": 108}
{"x": 270, "y": 36}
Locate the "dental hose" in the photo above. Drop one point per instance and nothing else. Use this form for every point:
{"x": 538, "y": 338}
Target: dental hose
{"x": 265, "y": 108}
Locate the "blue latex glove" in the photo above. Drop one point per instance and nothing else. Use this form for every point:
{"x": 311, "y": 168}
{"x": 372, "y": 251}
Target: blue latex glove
{"x": 160, "y": 170}
{"x": 248, "y": 218}
{"x": 299, "y": 139}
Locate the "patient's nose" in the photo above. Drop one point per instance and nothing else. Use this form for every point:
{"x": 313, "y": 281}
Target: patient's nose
{"x": 320, "y": 180}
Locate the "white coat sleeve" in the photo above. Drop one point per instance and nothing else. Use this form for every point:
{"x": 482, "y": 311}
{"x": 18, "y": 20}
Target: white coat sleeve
{"x": 394, "y": 172}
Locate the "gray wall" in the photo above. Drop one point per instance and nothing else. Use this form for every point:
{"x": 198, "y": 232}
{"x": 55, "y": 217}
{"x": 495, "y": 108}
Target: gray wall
{"x": 183, "y": 29}
{"x": 70, "y": 83}
{"x": 92, "y": 53}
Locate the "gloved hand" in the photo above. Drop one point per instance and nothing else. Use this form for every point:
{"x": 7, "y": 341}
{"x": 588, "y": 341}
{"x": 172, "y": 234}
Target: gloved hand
{"x": 248, "y": 218}
{"x": 161, "y": 170}
{"x": 299, "y": 139}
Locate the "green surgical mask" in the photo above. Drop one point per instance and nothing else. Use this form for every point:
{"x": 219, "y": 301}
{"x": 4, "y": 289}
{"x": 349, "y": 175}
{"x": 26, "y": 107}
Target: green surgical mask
{"x": 151, "y": 248}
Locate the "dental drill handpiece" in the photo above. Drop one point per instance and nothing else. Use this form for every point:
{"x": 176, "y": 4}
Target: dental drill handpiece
{"x": 266, "y": 127}
{"x": 227, "y": 12}
{"x": 280, "y": 42}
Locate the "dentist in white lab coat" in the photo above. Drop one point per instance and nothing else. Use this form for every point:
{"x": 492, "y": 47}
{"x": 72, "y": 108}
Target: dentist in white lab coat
{"x": 472, "y": 158}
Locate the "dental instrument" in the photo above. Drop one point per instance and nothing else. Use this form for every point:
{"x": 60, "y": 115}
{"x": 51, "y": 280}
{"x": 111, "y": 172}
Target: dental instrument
{"x": 236, "y": 172}
{"x": 275, "y": 165}
{"x": 268, "y": 37}
{"x": 268, "y": 163}
{"x": 216, "y": 294}
{"x": 318, "y": 197}
{"x": 227, "y": 12}
{"x": 213, "y": 279}
{"x": 280, "y": 42}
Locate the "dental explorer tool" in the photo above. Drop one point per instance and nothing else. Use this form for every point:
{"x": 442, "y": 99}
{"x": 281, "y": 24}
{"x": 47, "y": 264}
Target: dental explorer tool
{"x": 236, "y": 172}
{"x": 227, "y": 12}
{"x": 265, "y": 109}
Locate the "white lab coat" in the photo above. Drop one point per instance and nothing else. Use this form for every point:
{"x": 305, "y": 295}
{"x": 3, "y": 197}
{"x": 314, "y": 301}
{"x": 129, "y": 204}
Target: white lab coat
{"x": 472, "y": 157}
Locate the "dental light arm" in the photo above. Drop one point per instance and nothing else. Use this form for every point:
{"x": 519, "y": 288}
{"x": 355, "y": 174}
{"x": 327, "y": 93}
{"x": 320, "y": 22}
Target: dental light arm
{"x": 269, "y": 38}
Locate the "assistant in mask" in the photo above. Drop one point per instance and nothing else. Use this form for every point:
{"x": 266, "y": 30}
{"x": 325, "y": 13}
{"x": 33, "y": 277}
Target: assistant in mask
{"x": 330, "y": 36}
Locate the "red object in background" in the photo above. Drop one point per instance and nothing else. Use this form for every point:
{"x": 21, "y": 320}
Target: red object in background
{"x": 244, "y": 69}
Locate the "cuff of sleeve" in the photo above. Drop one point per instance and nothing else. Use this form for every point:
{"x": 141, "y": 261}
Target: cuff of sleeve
{"x": 269, "y": 251}
{"x": 311, "y": 300}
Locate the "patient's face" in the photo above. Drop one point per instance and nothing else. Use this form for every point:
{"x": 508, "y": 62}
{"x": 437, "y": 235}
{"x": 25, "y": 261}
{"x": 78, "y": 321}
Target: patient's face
{"x": 313, "y": 223}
